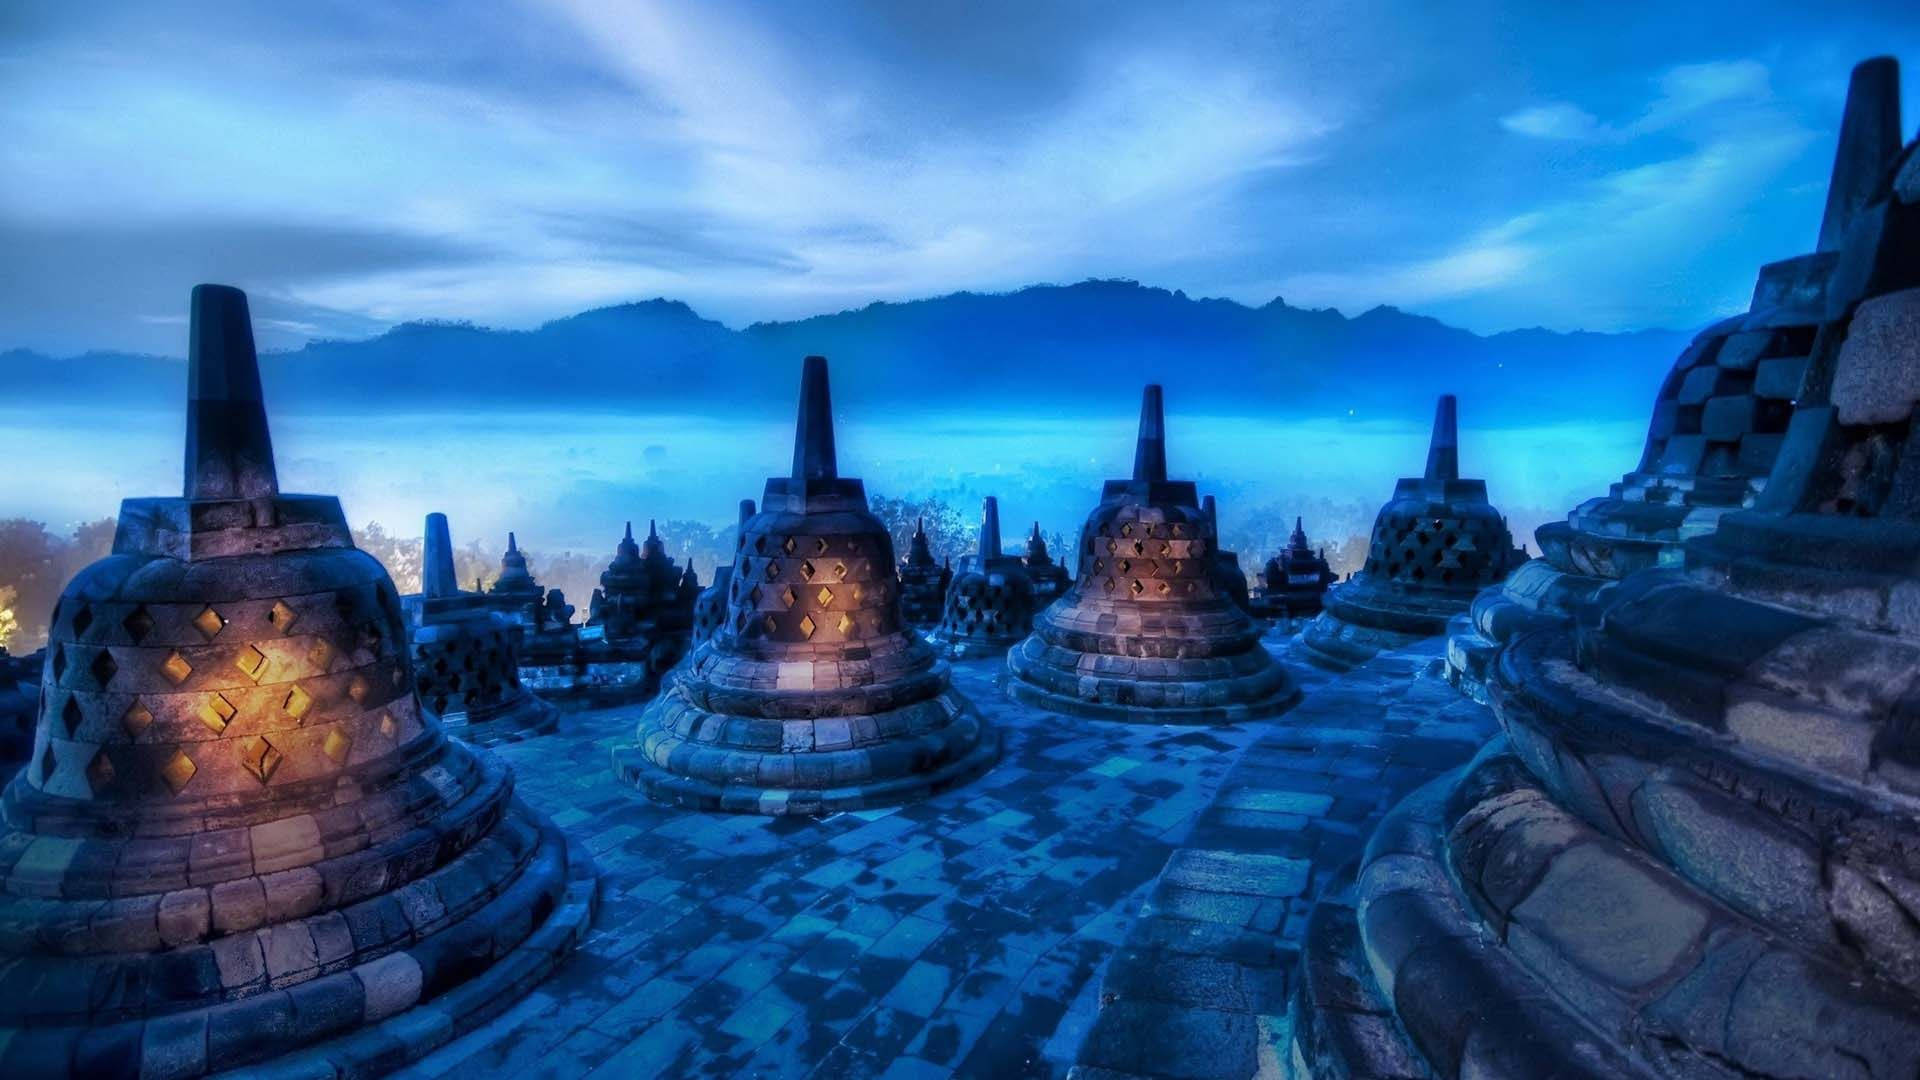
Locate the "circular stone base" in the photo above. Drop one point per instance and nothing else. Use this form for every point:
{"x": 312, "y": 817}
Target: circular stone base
{"x": 632, "y": 765}
{"x": 1028, "y": 694}
{"x": 1335, "y": 644}
{"x": 524, "y": 719}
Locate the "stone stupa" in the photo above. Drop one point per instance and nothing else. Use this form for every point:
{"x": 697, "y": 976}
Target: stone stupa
{"x": 710, "y": 608}
{"x": 1228, "y": 577}
{"x": 1435, "y": 544}
{"x": 1718, "y": 421}
{"x": 241, "y": 842}
{"x": 1050, "y": 579}
{"x": 1146, "y": 634}
{"x": 515, "y": 590}
{"x": 923, "y": 582}
{"x": 1693, "y": 853}
{"x": 814, "y": 696}
{"x": 1294, "y": 583}
{"x": 466, "y": 654}
{"x": 990, "y": 603}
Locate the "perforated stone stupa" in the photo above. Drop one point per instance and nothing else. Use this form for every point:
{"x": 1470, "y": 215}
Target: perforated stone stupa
{"x": 1693, "y": 853}
{"x": 1050, "y": 579}
{"x": 1294, "y": 583}
{"x": 1145, "y": 634}
{"x": 710, "y": 608}
{"x": 990, "y": 603}
{"x": 815, "y": 696}
{"x": 644, "y": 593}
{"x": 1718, "y": 421}
{"x": 1228, "y": 577}
{"x": 923, "y": 582}
{"x": 240, "y": 840}
{"x": 1435, "y": 544}
{"x": 515, "y": 589}
{"x": 466, "y": 654}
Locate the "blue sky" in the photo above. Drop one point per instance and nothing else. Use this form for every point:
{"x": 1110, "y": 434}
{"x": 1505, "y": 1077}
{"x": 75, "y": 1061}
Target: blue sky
{"x": 353, "y": 165}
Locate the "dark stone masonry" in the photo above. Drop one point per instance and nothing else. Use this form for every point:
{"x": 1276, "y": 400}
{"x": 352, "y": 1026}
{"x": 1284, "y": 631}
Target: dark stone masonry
{"x": 1146, "y": 633}
{"x": 814, "y": 696}
{"x": 1436, "y": 543}
{"x": 240, "y": 839}
{"x": 1647, "y": 807}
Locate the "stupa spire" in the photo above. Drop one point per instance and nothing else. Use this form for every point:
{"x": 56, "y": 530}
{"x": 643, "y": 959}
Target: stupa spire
{"x": 513, "y": 545}
{"x": 746, "y": 510}
{"x": 229, "y": 452}
{"x": 1869, "y": 141}
{"x": 436, "y": 564}
{"x": 1150, "y": 450}
{"x": 989, "y": 530}
{"x": 813, "y": 453}
{"x": 1443, "y": 454}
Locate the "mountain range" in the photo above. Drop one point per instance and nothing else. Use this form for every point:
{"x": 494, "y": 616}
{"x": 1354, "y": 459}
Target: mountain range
{"x": 1086, "y": 347}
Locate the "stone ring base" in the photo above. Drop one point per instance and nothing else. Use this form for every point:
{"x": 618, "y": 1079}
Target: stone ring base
{"x": 633, "y": 766}
{"x": 1037, "y": 697}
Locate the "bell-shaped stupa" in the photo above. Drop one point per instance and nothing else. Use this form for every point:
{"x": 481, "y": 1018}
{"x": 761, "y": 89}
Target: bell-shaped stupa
{"x": 1435, "y": 544}
{"x": 1692, "y": 853}
{"x": 1719, "y": 417}
{"x": 990, "y": 602}
{"x": 923, "y": 583}
{"x": 814, "y": 696}
{"x": 466, "y": 654}
{"x": 643, "y": 593}
{"x": 240, "y": 837}
{"x": 1293, "y": 585}
{"x": 1146, "y": 634}
{"x": 1050, "y": 579}
{"x": 710, "y": 608}
{"x": 515, "y": 590}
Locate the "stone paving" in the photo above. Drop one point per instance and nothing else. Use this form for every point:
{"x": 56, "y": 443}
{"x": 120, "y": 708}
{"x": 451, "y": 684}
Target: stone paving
{"x": 969, "y": 935}
{"x": 1199, "y": 989}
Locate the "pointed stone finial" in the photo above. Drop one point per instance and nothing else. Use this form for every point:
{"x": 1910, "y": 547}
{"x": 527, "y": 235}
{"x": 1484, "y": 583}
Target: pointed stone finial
{"x": 629, "y": 536}
{"x": 1211, "y": 512}
{"x": 229, "y": 452}
{"x": 746, "y": 510}
{"x": 989, "y": 530}
{"x": 1150, "y": 451}
{"x": 1036, "y": 531}
{"x": 813, "y": 453}
{"x": 1299, "y": 537}
{"x": 436, "y": 561}
{"x": 652, "y": 533}
{"x": 1443, "y": 454}
{"x": 1869, "y": 141}
{"x": 513, "y": 545}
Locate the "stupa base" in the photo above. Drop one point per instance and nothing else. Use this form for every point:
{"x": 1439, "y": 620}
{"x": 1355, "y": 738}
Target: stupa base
{"x": 634, "y": 766}
{"x": 365, "y": 1020}
{"x": 524, "y": 718}
{"x": 1102, "y": 701}
{"x": 1334, "y": 644}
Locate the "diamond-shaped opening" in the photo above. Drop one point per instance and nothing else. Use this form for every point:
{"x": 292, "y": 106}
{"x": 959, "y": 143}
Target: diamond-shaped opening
{"x": 298, "y": 704}
{"x": 48, "y": 763}
{"x": 260, "y": 757}
{"x": 136, "y": 719}
{"x": 1126, "y": 529}
{"x": 59, "y": 662}
{"x": 104, "y": 668}
{"x": 845, "y": 624}
{"x": 320, "y": 655}
{"x": 82, "y": 619}
{"x": 176, "y": 668}
{"x": 337, "y": 746}
{"x": 282, "y": 617}
{"x": 806, "y": 569}
{"x": 71, "y": 716}
{"x": 770, "y": 624}
{"x": 99, "y": 771}
{"x": 839, "y": 571}
{"x": 806, "y": 626}
{"x": 217, "y": 712}
{"x": 251, "y": 662}
{"x": 773, "y": 569}
{"x": 1136, "y": 587}
{"x": 760, "y": 543}
{"x": 387, "y": 725}
{"x": 788, "y": 545}
{"x": 788, "y": 597}
{"x": 824, "y": 596}
{"x": 178, "y": 770}
{"x": 209, "y": 622}
{"x": 138, "y": 624}
{"x": 357, "y": 689}
{"x": 819, "y": 545}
